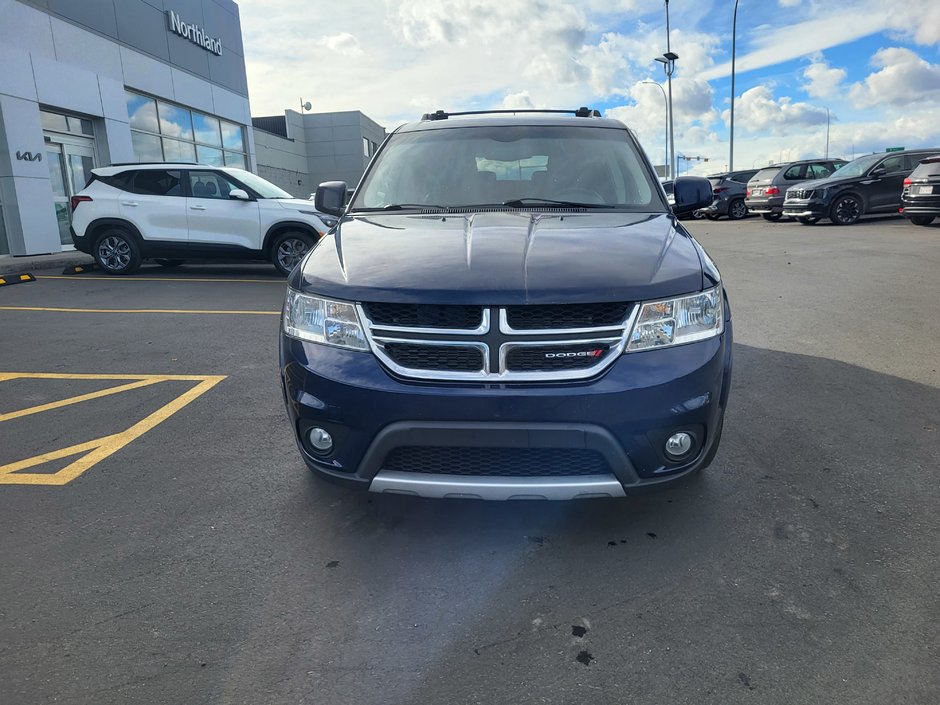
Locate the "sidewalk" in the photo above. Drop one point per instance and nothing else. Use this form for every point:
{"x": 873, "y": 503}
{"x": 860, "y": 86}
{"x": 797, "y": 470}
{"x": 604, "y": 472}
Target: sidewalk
{"x": 32, "y": 263}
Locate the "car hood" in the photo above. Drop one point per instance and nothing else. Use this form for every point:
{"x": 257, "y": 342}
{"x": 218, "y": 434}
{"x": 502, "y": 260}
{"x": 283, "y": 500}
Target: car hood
{"x": 294, "y": 203}
{"x": 503, "y": 258}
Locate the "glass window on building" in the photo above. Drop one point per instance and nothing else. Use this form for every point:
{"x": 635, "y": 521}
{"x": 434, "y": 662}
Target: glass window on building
{"x": 233, "y": 137}
{"x": 162, "y": 131}
{"x": 365, "y": 147}
{"x": 209, "y": 155}
{"x": 207, "y": 129}
{"x": 57, "y": 122}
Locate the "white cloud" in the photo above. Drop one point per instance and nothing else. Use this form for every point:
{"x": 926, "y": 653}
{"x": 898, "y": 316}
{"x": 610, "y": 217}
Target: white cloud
{"x": 343, "y": 43}
{"x": 789, "y": 3}
{"x": 517, "y": 101}
{"x": 758, "y": 111}
{"x": 823, "y": 81}
{"x": 832, "y": 24}
{"x": 903, "y": 78}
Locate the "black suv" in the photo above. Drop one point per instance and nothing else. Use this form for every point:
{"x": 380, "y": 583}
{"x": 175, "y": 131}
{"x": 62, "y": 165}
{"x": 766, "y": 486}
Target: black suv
{"x": 507, "y": 309}
{"x": 766, "y": 189}
{"x": 920, "y": 199}
{"x": 729, "y": 191}
{"x": 870, "y": 184}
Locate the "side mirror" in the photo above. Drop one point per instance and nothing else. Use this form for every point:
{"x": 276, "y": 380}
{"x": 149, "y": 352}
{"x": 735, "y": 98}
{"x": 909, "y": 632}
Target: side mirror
{"x": 879, "y": 170}
{"x": 331, "y": 197}
{"x": 239, "y": 194}
{"x": 691, "y": 193}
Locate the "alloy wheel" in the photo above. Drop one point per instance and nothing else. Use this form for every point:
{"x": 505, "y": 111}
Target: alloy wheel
{"x": 290, "y": 252}
{"x": 115, "y": 253}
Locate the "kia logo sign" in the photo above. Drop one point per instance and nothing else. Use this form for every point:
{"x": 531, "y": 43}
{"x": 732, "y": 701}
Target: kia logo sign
{"x": 29, "y": 156}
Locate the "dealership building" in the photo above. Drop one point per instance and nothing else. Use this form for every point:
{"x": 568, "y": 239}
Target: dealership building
{"x": 88, "y": 83}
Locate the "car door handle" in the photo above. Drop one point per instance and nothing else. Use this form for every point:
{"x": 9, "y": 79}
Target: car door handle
{"x": 132, "y": 204}
{"x": 198, "y": 208}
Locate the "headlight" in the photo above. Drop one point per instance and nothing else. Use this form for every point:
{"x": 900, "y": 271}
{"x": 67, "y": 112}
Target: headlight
{"x": 323, "y": 321}
{"x": 676, "y": 321}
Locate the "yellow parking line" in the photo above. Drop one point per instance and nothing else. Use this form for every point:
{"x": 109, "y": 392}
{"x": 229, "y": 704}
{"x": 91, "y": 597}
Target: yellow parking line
{"x": 73, "y": 278}
{"x": 135, "y": 310}
{"x": 98, "y": 449}
{"x": 75, "y": 400}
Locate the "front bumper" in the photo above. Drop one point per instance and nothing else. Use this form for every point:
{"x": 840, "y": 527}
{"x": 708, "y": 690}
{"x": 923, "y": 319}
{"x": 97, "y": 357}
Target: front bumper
{"x": 624, "y": 416}
{"x": 806, "y": 209}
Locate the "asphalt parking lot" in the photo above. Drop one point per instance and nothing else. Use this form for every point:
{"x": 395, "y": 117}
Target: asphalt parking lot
{"x": 162, "y": 541}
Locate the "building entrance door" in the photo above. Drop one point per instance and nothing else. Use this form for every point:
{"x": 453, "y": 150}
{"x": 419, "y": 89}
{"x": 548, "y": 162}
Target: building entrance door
{"x": 71, "y": 160}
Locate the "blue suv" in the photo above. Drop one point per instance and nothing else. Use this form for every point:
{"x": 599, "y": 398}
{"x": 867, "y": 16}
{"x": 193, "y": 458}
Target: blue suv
{"x": 507, "y": 308}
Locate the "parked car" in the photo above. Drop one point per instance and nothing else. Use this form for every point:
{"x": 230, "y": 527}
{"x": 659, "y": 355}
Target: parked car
{"x": 869, "y": 184}
{"x": 920, "y": 197}
{"x": 767, "y": 188}
{"x": 175, "y": 212}
{"x": 684, "y": 211}
{"x": 507, "y": 309}
{"x": 729, "y": 190}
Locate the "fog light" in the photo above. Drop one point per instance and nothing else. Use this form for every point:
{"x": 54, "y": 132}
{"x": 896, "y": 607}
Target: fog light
{"x": 678, "y": 444}
{"x": 320, "y": 439}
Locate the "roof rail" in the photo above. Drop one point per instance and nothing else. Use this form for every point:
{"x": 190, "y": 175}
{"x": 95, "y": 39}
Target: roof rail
{"x": 151, "y": 164}
{"x": 442, "y": 115}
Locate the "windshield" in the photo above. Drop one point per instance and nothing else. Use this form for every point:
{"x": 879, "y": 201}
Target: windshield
{"x": 860, "y": 165}
{"x": 520, "y": 166}
{"x": 264, "y": 189}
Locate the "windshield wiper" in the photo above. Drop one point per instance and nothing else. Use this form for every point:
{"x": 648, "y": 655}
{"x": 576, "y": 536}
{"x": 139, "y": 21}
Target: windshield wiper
{"x": 523, "y": 202}
{"x": 401, "y": 206}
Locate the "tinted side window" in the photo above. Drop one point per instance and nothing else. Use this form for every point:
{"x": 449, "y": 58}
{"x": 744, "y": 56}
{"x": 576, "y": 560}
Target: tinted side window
{"x": 893, "y": 164}
{"x": 210, "y": 184}
{"x": 794, "y": 172}
{"x": 817, "y": 171}
{"x": 121, "y": 181}
{"x": 157, "y": 182}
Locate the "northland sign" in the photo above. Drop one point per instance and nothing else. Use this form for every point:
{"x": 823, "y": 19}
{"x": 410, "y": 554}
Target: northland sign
{"x": 193, "y": 33}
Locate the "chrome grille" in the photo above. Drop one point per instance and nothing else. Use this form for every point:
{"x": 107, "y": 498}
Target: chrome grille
{"x": 499, "y": 344}
{"x": 800, "y": 193}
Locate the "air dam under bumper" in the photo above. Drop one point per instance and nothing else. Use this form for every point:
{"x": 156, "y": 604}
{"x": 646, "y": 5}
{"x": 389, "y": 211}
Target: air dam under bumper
{"x": 622, "y": 417}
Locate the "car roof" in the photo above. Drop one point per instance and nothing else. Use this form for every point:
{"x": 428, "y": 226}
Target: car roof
{"x": 118, "y": 168}
{"x": 501, "y": 120}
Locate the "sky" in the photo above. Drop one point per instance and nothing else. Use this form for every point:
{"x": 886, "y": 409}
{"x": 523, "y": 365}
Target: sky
{"x": 873, "y": 65}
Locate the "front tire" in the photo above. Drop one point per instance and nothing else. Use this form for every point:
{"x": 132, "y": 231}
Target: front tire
{"x": 772, "y": 217}
{"x": 288, "y": 249}
{"x": 922, "y": 219}
{"x": 846, "y": 210}
{"x": 808, "y": 220}
{"x": 117, "y": 252}
{"x": 737, "y": 209}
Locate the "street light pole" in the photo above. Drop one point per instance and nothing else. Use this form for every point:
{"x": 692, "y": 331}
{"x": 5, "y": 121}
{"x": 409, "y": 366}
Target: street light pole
{"x": 668, "y": 173}
{"x": 671, "y": 66}
{"x": 827, "y": 132}
{"x": 734, "y": 34}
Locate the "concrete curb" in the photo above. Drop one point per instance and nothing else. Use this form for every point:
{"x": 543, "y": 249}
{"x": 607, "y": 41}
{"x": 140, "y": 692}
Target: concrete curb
{"x": 32, "y": 263}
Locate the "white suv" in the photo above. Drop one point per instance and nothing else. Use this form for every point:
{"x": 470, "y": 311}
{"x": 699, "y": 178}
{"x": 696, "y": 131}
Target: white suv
{"x": 173, "y": 212}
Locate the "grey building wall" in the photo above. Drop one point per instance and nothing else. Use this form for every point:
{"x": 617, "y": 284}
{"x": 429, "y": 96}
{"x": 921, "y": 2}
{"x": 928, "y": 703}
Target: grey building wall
{"x": 77, "y": 56}
{"x": 319, "y": 147}
{"x": 283, "y": 160}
